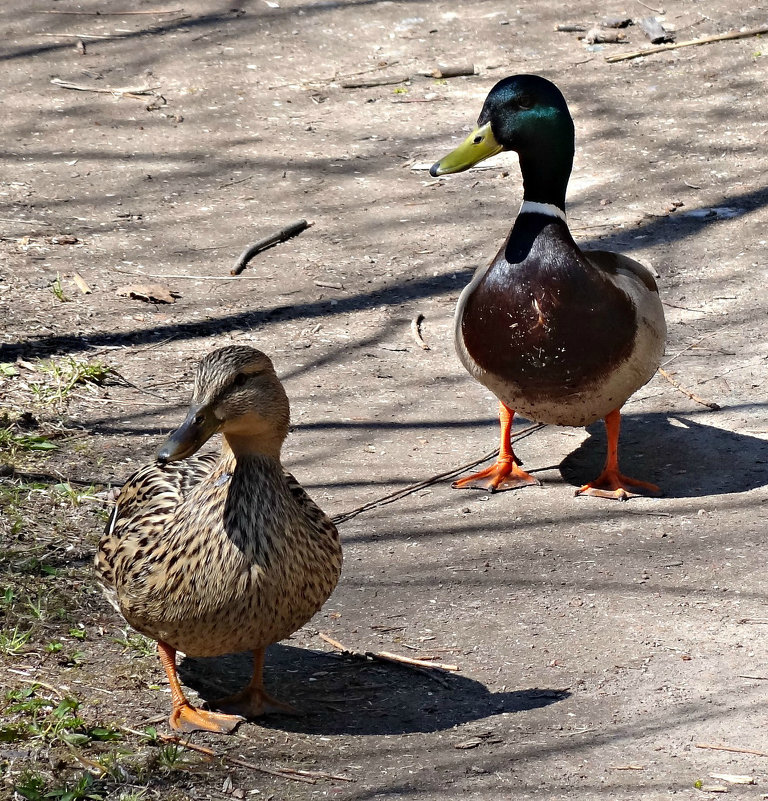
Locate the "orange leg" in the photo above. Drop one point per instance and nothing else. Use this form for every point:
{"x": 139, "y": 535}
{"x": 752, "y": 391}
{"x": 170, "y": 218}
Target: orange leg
{"x": 254, "y": 700}
{"x": 184, "y": 716}
{"x": 611, "y": 483}
{"x": 505, "y": 473}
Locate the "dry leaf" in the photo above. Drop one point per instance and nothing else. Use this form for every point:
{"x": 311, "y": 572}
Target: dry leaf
{"x": 153, "y": 293}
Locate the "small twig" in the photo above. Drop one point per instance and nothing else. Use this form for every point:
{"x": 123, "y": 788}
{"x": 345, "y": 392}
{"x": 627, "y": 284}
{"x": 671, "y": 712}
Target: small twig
{"x": 86, "y": 35}
{"x": 416, "y": 331}
{"x": 335, "y": 643}
{"x": 280, "y": 236}
{"x": 24, "y": 222}
{"x": 49, "y": 687}
{"x": 753, "y": 620}
{"x": 189, "y": 277}
{"x": 328, "y": 284}
{"x": 407, "y": 660}
{"x": 720, "y": 37}
{"x": 415, "y": 665}
{"x": 732, "y": 749}
{"x": 386, "y": 656}
{"x": 755, "y": 678}
{"x": 440, "y": 99}
{"x": 131, "y": 384}
{"x": 373, "y": 82}
{"x": 111, "y": 13}
{"x": 118, "y": 92}
{"x": 401, "y": 493}
{"x": 651, "y": 8}
{"x": 692, "y": 395}
{"x": 285, "y": 774}
{"x": 692, "y": 345}
{"x": 451, "y": 70}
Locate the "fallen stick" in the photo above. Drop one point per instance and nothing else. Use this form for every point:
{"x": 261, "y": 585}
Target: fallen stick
{"x": 280, "y": 236}
{"x": 651, "y": 8}
{"x": 452, "y": 70}
{"x": 416, "y": 331}
{"x": 201, "y": 749}
{"x": 432, "y": 673}
{"x": 111, "y": 13}
{"x": 693, "y": 344}
{"x": 386, "y": 656}
{"x": 24, "y": 222}
{"x": 187, "y": 276}
{"x": 128, "y": 91}
{"x": 720, "y": 37}
{"x": 398, "y": 494}
{"x": 407, "y": 660}
{"x": 85, "y": 35}
{"x": 571, "y": 27}
{"x": 692, "y": 395}
{"x": 732, "y": 749}
{"x": 333, "y": 643}
{"x": 372, "y": 82}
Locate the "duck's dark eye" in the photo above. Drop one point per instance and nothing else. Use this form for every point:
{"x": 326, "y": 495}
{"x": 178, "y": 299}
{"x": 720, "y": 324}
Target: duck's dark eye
{"x": 240, "y": 379}
{"x": 525, "y": 102}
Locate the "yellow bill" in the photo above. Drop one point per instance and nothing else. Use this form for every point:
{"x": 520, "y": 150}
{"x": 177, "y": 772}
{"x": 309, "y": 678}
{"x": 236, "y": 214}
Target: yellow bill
{"x": 479, "y": 145}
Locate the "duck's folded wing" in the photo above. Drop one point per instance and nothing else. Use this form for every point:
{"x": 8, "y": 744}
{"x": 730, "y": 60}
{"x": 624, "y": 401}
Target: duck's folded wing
{"x": 146, "y": 502}
{"x": 615, "y": 264}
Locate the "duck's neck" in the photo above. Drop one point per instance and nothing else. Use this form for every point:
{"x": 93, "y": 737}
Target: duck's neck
{"x": 545, "y": 174}
{"x": 239, "y": 446}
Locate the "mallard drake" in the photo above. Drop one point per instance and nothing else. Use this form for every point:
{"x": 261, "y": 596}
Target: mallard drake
{"x": 560, "y": 335}
{"x": 215, "y": 554}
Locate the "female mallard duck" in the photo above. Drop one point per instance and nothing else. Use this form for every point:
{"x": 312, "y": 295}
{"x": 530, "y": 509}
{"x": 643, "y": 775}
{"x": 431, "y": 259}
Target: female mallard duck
{"x": 559, "y": 335}
{"x": 219, "y": 554}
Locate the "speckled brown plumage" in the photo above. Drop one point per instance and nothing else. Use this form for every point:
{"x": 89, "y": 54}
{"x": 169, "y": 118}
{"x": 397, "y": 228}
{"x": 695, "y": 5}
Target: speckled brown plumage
{"x": 219, "y": 554}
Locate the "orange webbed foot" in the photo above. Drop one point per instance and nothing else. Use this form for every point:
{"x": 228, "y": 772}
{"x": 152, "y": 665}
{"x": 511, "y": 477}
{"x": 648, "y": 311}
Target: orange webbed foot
{"x": 504, "y": 474}
{"x": 187, "y": 718}
{"x": 616, "y": 486}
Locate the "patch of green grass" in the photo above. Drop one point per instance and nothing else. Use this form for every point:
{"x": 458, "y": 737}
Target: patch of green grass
{"x": 13, "y": 643}
{"x": 133, "y": 641}
{"x": 74, "y": 496}
{"x": 34, "y": 787}
{"x": 58, "y": 290}
{"x": 65, "y": 374}
{"x": 15, "y": 443}
{"x": 170, "y": 756}
{"x": 41, "y": 718}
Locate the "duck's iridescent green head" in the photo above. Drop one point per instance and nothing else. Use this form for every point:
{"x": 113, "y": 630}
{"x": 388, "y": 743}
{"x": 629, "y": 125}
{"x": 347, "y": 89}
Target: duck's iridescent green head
{"x": 527, "y": 114}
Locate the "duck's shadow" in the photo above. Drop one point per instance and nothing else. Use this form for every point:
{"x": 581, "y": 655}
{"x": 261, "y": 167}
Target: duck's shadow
{"x": 337, "y": 694}
{"x": 686, "y": 458}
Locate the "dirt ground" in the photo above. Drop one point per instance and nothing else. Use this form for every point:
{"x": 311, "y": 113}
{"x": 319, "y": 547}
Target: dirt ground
{"x": 598, "y": 643}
